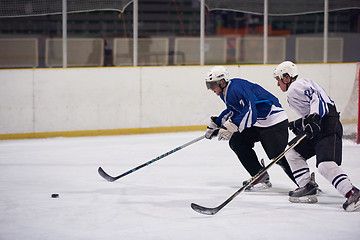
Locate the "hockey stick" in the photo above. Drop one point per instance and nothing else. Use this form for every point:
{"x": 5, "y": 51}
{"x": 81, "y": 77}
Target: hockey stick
{"x": 112, "y": 179}
{"x": 212, "y": 211}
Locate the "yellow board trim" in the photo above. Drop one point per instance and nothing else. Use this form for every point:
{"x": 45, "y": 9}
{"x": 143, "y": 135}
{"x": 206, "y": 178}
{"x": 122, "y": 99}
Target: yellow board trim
{"x": 349, "y": 121}
{"x": 105, "y": 132}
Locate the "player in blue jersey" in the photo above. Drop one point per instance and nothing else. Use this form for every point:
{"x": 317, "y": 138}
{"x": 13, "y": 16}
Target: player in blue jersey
{"x": 321, "y": 122}
{"x": 252, "y": 115}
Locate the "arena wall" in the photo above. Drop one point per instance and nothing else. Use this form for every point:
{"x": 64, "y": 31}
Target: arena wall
{"x": 125, "y": 100}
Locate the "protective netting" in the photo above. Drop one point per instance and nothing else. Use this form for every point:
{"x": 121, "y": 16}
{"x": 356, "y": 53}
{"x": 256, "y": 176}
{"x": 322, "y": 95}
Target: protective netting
{"x": 280, "y": 7}
{"x": 349, "y": 116}
{"x": 21, "y": 8}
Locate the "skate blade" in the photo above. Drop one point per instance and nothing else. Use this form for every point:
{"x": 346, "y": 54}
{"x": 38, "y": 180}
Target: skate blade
{"x": 305, "y": 199}
{"x": 258, "y": 187}
{"x": 353, "y": 206}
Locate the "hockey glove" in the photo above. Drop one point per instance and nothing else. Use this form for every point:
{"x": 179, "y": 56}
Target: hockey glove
{"x": 296, "y": 126}
{"x": 211, "y": 130}
{"x": 312, "y": 125}
{"x": 227, "y": 130}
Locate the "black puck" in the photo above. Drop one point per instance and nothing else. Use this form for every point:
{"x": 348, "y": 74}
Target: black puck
{"x": 55, "y": 195}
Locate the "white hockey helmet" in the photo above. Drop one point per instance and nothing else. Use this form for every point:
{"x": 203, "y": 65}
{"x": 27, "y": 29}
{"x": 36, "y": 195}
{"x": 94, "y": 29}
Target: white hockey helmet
{"x": 286, "y": 67}
{"x": 215, "y": 75}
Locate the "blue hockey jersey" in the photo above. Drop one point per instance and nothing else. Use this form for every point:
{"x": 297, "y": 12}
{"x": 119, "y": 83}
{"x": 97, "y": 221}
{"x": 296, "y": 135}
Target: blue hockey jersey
{"x": 248, "y": 104}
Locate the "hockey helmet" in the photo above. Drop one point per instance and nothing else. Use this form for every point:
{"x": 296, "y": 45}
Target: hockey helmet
{"x": 286, "y": 67}
{"x": 215, "y": 75}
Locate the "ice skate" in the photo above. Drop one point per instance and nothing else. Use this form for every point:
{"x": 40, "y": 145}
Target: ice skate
{"x": 352, "y": 203}
{"x": 306, "y": 194}
{"x": 262, "y": 183}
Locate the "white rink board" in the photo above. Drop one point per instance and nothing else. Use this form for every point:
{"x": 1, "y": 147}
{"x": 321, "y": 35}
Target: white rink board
{"x": 51, "y": 100}
{"x": 86, "y": 99}
{"x": 16, "y": 101}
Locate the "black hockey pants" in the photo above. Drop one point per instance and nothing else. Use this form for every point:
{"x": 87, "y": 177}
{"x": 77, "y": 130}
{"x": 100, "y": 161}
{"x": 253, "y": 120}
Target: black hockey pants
{"x": 273, "y": 139}
{"x": 326, "y": 145}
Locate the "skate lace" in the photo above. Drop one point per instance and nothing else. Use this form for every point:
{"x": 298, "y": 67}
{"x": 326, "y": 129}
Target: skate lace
{"x": 300, "y": 189}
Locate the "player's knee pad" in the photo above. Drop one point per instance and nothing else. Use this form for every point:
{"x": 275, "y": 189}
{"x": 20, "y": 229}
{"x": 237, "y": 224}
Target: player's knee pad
{"x": 293, "y": 156}
{"x": 330, "y": 170}
{"x": 327, "y": 168}
{"x": 297, "y": 162}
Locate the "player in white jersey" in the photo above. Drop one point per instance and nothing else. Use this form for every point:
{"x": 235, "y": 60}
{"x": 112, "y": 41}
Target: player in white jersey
{"x": 320, "y": 121}
{"x": 252, "y": 115}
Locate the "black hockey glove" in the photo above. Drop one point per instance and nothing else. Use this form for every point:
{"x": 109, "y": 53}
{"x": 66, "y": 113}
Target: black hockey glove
{"x": 296, "y": 126}
{"x": 312, "y": 125}
{"x": 212, "y": 129}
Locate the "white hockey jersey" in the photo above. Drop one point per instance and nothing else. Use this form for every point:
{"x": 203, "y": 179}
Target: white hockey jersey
{"x": 307, "y": 97}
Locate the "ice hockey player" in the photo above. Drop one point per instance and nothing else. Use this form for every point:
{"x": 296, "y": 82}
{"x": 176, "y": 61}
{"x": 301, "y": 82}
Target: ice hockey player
{"x": 320, "y": 121}
{"x": 252, "y": 115}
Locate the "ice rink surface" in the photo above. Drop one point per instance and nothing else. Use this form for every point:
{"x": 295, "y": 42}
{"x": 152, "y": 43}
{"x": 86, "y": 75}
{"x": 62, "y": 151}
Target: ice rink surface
{"x": 154, "y": 202}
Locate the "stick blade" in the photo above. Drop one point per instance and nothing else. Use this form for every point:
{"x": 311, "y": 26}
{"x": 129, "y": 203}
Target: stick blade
{"x": 204, "y": 210}
{"x": 105, "y": 175}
